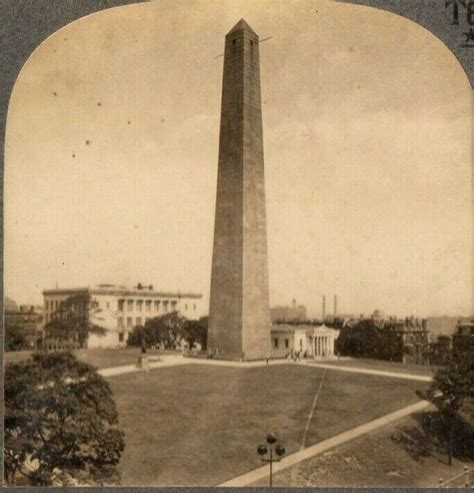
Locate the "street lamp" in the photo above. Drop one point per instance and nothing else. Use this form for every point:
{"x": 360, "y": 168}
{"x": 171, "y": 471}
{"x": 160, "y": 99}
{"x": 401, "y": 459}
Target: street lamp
{"x": 271, "y": 447}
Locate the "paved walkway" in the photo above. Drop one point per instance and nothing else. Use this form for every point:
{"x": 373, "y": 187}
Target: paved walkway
{"x": 164, "y": 361}
{"x": 262, "y": 472}
{"x": 367, "y": 371}
{"x": 177, "y": 360}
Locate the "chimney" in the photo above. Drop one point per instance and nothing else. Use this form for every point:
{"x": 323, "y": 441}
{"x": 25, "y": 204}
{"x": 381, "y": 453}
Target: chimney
{"x": 324, "y": 308}
{"x": 335, "y": 305}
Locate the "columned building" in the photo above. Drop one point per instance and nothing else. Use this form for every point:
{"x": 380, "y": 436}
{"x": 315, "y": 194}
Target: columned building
{"x": 308, "y": 340}
{"x": 119, "y": 309}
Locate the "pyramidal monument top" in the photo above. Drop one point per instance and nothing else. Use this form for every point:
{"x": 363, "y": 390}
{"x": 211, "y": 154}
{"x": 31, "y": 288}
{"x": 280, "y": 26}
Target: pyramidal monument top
{"x": 242, "y": 25}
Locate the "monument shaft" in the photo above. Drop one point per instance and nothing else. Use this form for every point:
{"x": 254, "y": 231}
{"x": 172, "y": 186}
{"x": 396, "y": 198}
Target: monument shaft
{"x": 239, "y": 313}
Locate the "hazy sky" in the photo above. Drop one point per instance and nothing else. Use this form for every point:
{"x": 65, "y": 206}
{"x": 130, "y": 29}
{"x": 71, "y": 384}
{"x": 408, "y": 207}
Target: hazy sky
{"x": 112, "y": 141}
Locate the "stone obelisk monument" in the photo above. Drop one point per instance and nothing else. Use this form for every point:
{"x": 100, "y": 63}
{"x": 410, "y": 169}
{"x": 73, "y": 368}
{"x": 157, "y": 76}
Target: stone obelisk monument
{"x": 239, "y": 313}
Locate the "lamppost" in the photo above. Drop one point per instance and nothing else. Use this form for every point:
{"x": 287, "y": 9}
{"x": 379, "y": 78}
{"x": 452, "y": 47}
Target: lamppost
{"x": 272, "y": 448}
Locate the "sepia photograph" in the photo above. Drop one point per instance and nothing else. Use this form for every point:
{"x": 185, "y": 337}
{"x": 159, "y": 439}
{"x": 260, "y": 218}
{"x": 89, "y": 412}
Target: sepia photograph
{"x": 238, "y": 244}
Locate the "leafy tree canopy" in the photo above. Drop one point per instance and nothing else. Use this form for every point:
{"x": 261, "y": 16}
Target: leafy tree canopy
{"x": 453, "y": 385}
{"x": 452, "y": 392}
{"x": 167, "y": 330}
{"x": 61, "y": 423}
{"x": 72, "y": 321}
{"x": 15, "y": 338}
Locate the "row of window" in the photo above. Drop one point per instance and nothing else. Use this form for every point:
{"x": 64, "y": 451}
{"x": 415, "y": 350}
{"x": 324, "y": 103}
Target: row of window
{"x": 52, "y": 305}
{"x": 138, "y": 305}
{"x": 138, "y": 321}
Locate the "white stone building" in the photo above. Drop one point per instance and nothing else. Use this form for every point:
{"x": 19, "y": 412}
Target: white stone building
{"x": 315, "y": 342}
{"x": 119, "y": 309}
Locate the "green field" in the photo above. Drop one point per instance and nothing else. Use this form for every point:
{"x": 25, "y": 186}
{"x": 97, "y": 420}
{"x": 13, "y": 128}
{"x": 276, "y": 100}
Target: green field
{"x": 200, "y": 425}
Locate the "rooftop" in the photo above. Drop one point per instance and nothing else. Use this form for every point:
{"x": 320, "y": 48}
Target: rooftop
{"x": 115, "y": 290}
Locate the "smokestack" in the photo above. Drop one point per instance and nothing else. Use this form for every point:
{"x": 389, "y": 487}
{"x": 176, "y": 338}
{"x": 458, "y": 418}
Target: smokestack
{"x": 335, "y": 305}
{"x": 324, "y": 308}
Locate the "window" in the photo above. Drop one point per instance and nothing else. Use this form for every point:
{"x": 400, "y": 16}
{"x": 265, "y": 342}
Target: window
{"x": 165, "y": 306}
{"x": 276, "y": 341}
{"x": 157, "y": 305}
{"x": 287, "y": 343}
{"x": 120, "y": 322}
{"x": 139, "y": 320}
{"x": 129, "y": 321}
{"x": 301, "y": 343}
{"x": 173, "y": 306}
{"x": 139, "y": 305}
{"x": 129, "y": 305}
{"x": 120, "y": 305}
{"x": 120, "y": 336}
{"x": 148, "y": 305}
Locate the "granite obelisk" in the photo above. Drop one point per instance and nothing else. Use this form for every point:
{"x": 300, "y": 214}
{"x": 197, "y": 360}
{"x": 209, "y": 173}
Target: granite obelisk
{"x": 239, "y": 312}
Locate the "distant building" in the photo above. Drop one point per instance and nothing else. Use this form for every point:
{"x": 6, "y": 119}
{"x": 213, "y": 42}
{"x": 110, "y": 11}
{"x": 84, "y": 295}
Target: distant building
{"x": 414, "y": 336}
{"x": 463, "y": 339}
{"x": 119, "y": 309}
{"x": 309, "y": 340}
{"x": 442, "y": 326}
{"x": 293, "y": 313}
{"x": 27, "y": 317}
{"x": 405, "y": 340}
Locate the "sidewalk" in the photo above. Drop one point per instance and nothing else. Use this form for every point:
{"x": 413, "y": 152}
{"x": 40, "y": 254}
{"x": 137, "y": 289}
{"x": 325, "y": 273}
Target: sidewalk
{"x": 367, "y": 371}
{"x": 165, "y": 361}
{"x": 177, "y": 360}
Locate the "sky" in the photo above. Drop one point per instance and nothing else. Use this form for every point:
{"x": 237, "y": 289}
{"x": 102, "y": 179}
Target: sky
{"x": 112, "y": 140}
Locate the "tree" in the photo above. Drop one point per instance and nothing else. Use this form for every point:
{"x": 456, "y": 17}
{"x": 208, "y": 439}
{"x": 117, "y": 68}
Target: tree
{"x": 452, "y": 392}
{"x": 138, "y": 337}
{"x": 196, "y": 331}
{"x": 72, "y": 320}
{"x": 15, "y": 338}
{"x": 367, "y": 340}
{"x": 60, "y": 423}
{"x": 168, "y": 330}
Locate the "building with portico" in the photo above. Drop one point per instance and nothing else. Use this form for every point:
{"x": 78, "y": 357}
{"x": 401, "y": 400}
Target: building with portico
{"x": 309, "y": 340}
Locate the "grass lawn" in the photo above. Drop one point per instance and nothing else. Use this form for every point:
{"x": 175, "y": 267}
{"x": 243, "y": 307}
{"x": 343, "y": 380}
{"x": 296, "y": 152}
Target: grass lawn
{"x": 375, "y": 364}
{"x": 100, "y": 358}
{"x": 378, "y": 459}
{"x": 200, "y": 425}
